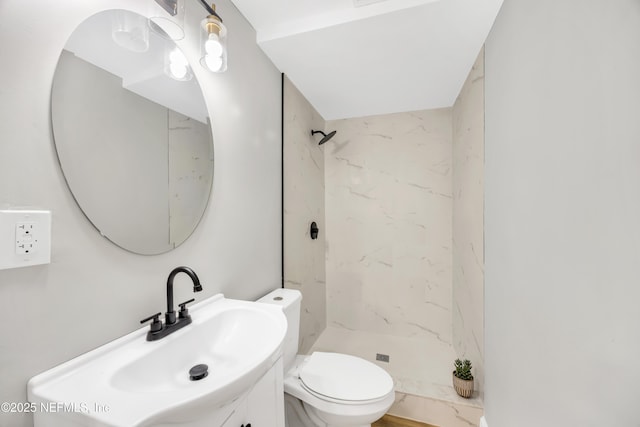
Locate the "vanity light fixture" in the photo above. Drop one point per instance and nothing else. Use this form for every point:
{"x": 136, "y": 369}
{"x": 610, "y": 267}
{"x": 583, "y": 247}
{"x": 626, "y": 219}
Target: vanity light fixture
{"x": 213, "y": 34}
{"x": 170, "y": 6}
{"x": 170, "y": 27}
{"x": 130, "y": 31}
{"x": 213, "y": 41}
{"x": 176, "y": 65}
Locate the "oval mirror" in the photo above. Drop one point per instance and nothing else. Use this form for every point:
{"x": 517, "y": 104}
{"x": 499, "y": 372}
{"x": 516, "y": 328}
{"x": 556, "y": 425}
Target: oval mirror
{"x": 132, "y": 132}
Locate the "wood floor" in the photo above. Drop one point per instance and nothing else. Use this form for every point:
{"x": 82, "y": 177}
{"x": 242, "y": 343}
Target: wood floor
{"x": 391, "y": 421}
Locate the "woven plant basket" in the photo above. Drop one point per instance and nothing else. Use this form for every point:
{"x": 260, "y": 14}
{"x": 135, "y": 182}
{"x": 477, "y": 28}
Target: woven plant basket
{"x": 463, "y": 387}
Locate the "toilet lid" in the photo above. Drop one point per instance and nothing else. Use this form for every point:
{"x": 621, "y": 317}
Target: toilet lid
{"x": 344, "y": 377}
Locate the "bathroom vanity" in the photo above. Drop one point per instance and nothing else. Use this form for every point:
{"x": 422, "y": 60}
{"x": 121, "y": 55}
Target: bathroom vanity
{"x": 135, "y": 382}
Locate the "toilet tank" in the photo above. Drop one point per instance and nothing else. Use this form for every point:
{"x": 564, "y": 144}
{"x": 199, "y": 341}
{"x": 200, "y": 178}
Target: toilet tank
{"x": 289, "y": 300}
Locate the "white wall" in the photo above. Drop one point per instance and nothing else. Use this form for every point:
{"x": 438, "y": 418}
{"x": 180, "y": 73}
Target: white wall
{"x": 304, "y": 259}
{"x": 562, "y": 218}
{"x": 93, "y": 292}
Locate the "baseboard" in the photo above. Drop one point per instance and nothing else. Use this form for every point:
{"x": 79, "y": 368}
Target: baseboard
{"x": 483, "y": 422}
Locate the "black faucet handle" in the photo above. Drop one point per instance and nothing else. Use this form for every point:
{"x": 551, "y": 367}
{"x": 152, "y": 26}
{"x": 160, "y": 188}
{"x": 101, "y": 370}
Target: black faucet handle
{"x": 184, "y": 311}
{"x": 156, "y": 324}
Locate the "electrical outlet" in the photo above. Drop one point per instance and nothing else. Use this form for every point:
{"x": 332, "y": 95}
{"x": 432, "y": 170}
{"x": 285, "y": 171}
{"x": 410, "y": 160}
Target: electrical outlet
{"x": 25, "y": 238}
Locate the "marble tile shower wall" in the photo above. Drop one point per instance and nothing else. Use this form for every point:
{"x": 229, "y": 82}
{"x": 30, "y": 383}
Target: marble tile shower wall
{"x": 468, "y": 227}
{"x": 304, "y": 259}
{"x": 389, "y": 224}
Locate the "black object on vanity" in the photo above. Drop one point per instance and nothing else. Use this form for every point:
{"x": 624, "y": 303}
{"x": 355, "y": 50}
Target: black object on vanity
{"x": 158, "y": 330}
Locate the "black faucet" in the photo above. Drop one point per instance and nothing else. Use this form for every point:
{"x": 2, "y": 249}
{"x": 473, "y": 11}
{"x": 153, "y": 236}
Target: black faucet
{"x": 159, "y": 330}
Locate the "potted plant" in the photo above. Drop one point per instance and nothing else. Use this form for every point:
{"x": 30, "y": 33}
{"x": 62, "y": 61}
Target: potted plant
{"x": 463, "y": 378}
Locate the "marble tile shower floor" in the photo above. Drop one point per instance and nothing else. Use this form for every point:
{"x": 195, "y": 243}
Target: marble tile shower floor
{"x": 421, "y": 369}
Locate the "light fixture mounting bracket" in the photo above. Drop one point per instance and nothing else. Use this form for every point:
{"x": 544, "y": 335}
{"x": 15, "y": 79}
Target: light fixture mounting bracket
{"x": 170, "y": 6}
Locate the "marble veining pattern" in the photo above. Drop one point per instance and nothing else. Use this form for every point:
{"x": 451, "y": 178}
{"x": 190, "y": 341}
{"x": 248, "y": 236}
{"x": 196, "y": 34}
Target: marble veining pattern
{"x": 421, "y": 370}
{"x": 304, "y": 266}
{"x": 468, "y": 227}
{"x": 190, "y": 162}
{"x": 434, "y": 411}
{"x": 389, "y": 219}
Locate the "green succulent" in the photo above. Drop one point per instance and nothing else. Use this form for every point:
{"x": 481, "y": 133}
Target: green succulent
{"x": 463, "y": 369}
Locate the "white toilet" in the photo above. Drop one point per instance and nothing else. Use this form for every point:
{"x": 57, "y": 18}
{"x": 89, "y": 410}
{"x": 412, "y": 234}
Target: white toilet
{"x": 327, "y": 389}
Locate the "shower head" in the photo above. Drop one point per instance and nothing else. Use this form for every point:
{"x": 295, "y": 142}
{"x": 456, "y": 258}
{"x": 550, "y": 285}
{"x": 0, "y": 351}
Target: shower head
{"x": 325, "y": 137}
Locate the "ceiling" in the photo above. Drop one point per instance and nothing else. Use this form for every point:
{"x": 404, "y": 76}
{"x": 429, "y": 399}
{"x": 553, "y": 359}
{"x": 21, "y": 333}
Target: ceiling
{"x": 353, "y": 58}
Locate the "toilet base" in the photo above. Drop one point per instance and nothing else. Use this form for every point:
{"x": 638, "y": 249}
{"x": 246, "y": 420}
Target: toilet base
{"x": 297, "y": 415}
{"x": 294, "y": 413}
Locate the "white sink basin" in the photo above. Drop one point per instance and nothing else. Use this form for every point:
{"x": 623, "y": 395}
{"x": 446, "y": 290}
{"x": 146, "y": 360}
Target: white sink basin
{"x": 134, "y": 382}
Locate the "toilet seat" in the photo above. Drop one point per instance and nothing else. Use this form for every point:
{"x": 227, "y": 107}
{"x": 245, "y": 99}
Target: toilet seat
{"x": 328, "y": 411}
{"x": 341, "y": 378}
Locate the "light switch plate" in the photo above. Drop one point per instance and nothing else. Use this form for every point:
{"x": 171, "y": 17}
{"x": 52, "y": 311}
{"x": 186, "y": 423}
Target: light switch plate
{"x": 25, "y": 238}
